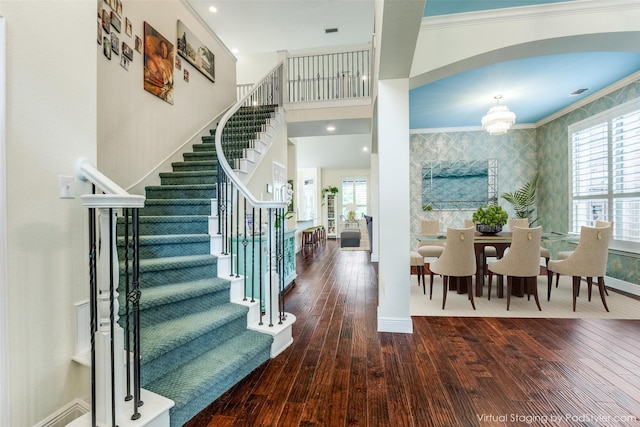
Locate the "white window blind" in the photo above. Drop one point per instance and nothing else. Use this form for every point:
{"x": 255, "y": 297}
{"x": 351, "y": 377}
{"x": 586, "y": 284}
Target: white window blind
{"x": 605, "y": 172}
{"x": 354, "y": 191}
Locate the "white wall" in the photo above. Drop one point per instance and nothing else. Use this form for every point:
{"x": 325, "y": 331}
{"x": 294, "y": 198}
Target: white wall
{"x": 136, "y": 129}
{"x": 252, "y": 68}
{"x": 51, "y": 121}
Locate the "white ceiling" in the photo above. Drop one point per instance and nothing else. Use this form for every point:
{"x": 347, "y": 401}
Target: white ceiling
{"x": 257, "y": 26}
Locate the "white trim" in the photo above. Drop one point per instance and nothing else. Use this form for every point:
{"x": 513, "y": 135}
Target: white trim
{"x": 402, "y": 325}
{"x": 591, "y": 98}
{"x": 622, "y": 285}
{"x": 4, "y": 291}
{"x": 66, "y": 414}
{"x": 467, "y": 129}
{"x": 570, "y": 8}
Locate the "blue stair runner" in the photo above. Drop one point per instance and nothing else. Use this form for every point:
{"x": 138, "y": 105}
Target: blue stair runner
{"x": 195, "y": 344}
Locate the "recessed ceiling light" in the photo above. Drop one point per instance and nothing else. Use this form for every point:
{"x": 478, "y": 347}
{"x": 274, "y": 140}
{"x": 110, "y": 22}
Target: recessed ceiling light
{"x": 234, "y": 51}
{"x": 578, "y": 91}
{"x": 331, "y": 128}
{"x": 213, "y": 9}
{"x": 365, "y": 149}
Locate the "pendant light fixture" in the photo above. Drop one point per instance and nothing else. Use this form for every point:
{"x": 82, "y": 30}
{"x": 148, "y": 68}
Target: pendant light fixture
{"x": 498, "y": 119}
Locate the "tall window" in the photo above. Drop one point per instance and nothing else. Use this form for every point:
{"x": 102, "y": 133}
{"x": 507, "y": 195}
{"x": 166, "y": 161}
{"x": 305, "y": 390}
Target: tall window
{"x": 354, "y": 195}
{"x": 605, "y": 171}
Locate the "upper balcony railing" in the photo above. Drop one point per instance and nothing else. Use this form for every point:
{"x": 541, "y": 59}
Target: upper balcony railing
{"x": 325, "y": 77}
{"x": 331, "y": 76}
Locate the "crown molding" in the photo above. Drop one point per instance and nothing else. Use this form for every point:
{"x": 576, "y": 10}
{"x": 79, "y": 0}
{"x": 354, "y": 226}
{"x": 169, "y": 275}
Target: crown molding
{"x": 571, "y": 8}
{"x": 591, "y": 98}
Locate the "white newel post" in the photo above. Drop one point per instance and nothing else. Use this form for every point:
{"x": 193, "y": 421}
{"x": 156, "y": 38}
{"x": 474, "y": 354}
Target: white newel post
{"x": 108, "y": 270}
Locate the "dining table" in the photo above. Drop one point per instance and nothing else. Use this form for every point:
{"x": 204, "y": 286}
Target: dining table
{"x": 501, "y": 241}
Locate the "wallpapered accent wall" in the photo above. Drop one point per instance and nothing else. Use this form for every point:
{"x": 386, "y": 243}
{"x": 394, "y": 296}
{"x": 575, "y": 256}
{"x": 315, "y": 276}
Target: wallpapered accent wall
{"x": 515, "y": 153}
{"x": 520, "y": 153}
{"x": 553, "y": 185}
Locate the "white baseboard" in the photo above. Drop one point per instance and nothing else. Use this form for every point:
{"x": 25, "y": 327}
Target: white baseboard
{"x": 403, "y": 325}
{"x": 622, "y": 285}
{"x": 65, "y": 415}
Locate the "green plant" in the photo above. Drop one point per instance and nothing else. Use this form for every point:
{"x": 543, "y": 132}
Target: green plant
{"x": 281, "y": 217}
{"x": 329, "y": 189}
{"x": 523, "y": 199}
{"x": 493, "y": 215}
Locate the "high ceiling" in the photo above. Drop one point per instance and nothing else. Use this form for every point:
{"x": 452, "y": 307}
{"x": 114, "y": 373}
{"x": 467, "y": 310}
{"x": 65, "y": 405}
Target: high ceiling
{"x": 533, "y": 88}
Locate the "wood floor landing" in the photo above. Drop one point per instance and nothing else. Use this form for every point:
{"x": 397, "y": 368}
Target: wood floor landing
{"x": 450, "y": 372}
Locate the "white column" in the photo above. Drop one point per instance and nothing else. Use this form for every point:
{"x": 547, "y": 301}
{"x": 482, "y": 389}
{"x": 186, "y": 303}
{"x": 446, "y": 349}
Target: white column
{"x": 393, "y": 226}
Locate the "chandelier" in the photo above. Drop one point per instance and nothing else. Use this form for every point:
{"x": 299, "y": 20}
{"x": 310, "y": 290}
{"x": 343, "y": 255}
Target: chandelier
{"x": 498, "y": 119}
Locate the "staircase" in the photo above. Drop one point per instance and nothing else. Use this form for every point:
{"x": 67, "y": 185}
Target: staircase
{"x": 195, "y": 343}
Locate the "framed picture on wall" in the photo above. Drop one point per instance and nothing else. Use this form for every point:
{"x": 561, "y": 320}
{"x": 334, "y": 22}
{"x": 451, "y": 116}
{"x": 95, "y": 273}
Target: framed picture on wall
{"x": 106, "y": 21}
{"x": 115, "y": 44}
{"x": 158, "y": 64}
{"x": 127, "y": 51}
{"x": 196, "y": 53}
{"x": 115, "y": 22}
{"x": 106, "y": 47}
{"x": 138, "y": 44}
{"x": 128, "y": 27}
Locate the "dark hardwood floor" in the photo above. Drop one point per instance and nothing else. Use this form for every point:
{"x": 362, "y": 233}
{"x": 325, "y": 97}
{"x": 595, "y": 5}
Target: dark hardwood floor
{"x": 340, "y": 371}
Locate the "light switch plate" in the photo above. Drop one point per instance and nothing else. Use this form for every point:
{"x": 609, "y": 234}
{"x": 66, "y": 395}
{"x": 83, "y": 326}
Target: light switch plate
{"x": 67, "y": 187}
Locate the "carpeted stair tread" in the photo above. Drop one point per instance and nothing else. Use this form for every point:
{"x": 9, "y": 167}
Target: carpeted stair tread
{"x": 169, "y": 245}
{"x": 176, "y": 207}
{"x": 170, "y": 263}
{"x": 202, "y": 164}
{"x": 161, "y": 338}
{"x": 160, "y": 220}
{"x": 173, "y": 201}
{"x": 189, "y": 174}
{"x": 173, "y": 238}
{"x": 170, "y": 224}
{"x": 193, "y": 379}
{"x": 175, "y": 292}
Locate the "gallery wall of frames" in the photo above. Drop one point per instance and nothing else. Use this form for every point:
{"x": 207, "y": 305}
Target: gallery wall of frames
{"x": 162, "y": 54}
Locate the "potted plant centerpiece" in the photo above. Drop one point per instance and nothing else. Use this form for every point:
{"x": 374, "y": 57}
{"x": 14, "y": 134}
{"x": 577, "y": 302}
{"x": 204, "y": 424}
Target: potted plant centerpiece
{"x": 490, "y": 220}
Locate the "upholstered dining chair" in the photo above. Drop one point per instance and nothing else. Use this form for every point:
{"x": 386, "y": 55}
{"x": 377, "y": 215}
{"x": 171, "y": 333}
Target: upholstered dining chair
{"x": 565, "y": 254}
{"x": 524, "y": 223}
{"x": 457, "y": 261}
{"x": 430, "y": 250}
{"x": 589, "y": 260}
{"x": 521, "y": 261}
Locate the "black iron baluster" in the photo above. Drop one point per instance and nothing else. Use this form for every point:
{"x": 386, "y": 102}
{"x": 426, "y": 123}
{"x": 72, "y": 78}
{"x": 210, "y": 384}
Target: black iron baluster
{"x": 260, "y": 275}
{"x": 93, "y": 306}
{"x": 135, "y": 297}
{"x": 112, "y": 317}
{"x": 127, "y": 337}
{"x": 253, "y": 253}
{"x": 238, "y": 233}
{"x": 270, "y": 265}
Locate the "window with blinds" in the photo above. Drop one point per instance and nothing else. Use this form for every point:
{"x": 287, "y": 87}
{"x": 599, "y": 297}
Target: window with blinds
{"x": 605, "y": 172}
{"x": 354, "y": 192}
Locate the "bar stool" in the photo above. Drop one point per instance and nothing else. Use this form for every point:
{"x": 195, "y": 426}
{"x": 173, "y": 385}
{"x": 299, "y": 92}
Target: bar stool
{"x": 308, "y": 239}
